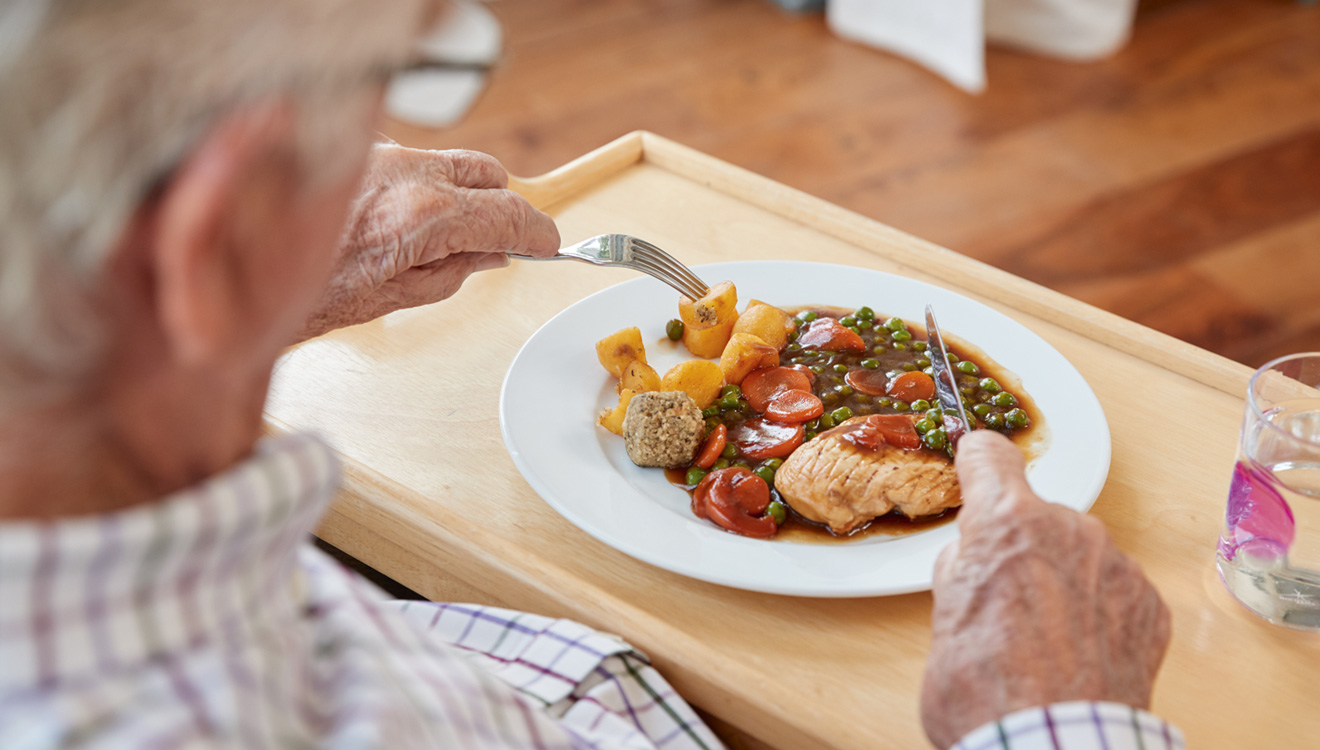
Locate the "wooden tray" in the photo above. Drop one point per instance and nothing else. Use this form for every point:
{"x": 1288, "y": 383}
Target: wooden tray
{"x": 432, "y": 500}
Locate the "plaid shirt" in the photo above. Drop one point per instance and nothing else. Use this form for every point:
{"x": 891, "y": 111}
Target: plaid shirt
{"x": 206, "y": 620}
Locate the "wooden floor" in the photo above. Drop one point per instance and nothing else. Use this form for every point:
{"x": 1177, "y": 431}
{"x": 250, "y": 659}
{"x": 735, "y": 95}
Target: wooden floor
{"x": 1177, "y": 183}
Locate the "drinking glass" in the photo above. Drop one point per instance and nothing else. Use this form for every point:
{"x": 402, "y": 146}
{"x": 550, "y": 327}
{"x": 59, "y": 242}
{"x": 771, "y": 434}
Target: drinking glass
{"x": 1269, "y": 548}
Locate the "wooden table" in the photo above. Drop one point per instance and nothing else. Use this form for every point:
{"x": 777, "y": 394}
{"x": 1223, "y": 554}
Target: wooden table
{"x": 432, "y": 500}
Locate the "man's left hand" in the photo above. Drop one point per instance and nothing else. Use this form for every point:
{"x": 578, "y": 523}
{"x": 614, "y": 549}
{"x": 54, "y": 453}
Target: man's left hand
{"x": 424, "y": 222}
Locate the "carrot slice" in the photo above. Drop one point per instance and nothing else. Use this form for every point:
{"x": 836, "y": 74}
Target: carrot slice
{"x": 749, "y": 491}
{"x": 730, "y": 501}
{"x": 897, "y": 429}
{"x": 711, "y": 449}
{"x": 830, "y": 335}
{"x": 760, "y": 439}
{"x": 762, "y": 385}
{"x": 794, "y": 406}
{"x": 911, "y": 386}
{"x": 867, "y": 382}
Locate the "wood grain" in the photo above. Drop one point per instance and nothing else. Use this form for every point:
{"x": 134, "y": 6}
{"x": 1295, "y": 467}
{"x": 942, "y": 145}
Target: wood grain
{"x": 1211, "y": 111}
{"x": 431, "y": 497}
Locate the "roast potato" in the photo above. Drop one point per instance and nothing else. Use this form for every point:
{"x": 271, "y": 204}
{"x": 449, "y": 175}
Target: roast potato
{"x": 700, "y": 379}
{"x": 719, "y": 306}
{"x": 612, "y": 419}
{"x": 618, "y": 349}
{"x": 745, "y": 353}
{"x": 766, "y": 322}
{"x": 639, "y": 377}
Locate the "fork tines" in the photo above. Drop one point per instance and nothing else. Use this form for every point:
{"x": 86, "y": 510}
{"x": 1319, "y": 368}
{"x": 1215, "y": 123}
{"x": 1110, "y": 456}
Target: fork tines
{"x": 658, "y": 263}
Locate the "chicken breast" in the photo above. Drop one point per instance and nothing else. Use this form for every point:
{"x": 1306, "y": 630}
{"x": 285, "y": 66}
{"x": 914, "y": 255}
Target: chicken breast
{"x": 844, "y": 482}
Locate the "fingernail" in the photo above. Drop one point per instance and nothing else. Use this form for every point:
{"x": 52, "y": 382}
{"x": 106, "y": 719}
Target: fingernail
{"x": 492, "y": 261}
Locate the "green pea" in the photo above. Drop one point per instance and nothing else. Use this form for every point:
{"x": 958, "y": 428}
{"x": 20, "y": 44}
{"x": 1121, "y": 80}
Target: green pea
{"x": 936, "y": 439}
{"x": 766, "y": 473}
{"x": 777, "y": 511}
{"x": 809, "y": 435}
{"x": 694, "y": 475}
{"x": 923, "y": 426}
{"x": 1017, "y": 418}
{"x": 845, "y": 391}
{"x": 840, "y": 368}
{"x": 878, "y": 349}
{"x": 710, "y": 411}
{"x": 826, "y": 421}
{"x": 1005, "y": 398}
{"x": 923, "y": 362}
{"x": 870, "y": 364}
{"x": 981, "y": 409}
{"x": 920, "y": 404}
{"x": 929, "y": 371}
{"x": 829, "y": 397}
{"x": 674, "y": 329}
{"x": 901, "y": 406}
{"x": 855, "y": 329}
{"x": 741, "y": 464}
{"x": 794, "y": 347}
{"x": 841, "y": 414}
{"x": 936, "y": 415}
{"x": 773, "y": 463}
{"x": 731, "y": 403}
{"x": 720, "y": 463}
{"x": 730, "y": 451}
{"x": 991, "y": 385}
{"x": 808, "y": 315}
{"x": 900, "y": 347}
{"x": 968, "y": 367}
{"x": 909, "y": 367}
{"x": 793, "y": 334}
{"x": 984, "y": 397}
{"x": 967, "y": 390}
{"x": 953, "y": 358}
{"x": 848, "y": 321}
{"x": 731, "y": 390}
{"x": 865, "y": 313}
{"x": 994, "y": 420}
{"x": 816, "y": 369}
{"x": 712, "y": 423}
{"x": 812, "y": 426}
{"x": 884, "y": 401}
{"x": 902, "y": 336}
{"x": 919, "y": 345}
{"x": 810, "y": 353}
{"x": 878, "y": 327}
{"x": 896, "y": 324}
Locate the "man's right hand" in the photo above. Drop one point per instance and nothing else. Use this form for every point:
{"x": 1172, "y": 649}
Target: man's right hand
{"x": 1033, "y": 605}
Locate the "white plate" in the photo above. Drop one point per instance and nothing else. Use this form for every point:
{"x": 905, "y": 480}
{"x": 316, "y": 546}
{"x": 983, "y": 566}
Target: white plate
{"x": 556, "y": 387}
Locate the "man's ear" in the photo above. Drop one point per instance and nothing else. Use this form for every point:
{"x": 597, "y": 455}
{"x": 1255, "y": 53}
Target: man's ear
{"x": 205, "y": 223}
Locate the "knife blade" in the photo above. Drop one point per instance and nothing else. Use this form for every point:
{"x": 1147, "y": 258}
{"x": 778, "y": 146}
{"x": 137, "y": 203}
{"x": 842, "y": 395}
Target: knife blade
{"x": 946, "y": 385}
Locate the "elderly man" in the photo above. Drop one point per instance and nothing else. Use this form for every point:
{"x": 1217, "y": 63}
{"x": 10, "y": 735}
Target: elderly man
{"x": 185, "y": 189}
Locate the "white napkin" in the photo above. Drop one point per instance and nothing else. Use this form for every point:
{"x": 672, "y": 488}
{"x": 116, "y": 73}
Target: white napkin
{"x": 949, "y": 36}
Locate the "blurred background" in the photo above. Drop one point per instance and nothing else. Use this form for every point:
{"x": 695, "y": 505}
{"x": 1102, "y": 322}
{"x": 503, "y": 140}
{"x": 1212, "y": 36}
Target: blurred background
{"x": 1176, "y": 182}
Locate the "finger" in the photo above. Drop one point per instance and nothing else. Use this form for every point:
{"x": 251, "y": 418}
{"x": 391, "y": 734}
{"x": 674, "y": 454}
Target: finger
{"x": 501, "y": 221}
{"x": 991, "y": 473}
{"x": 441, "y": 279}
{"x": 944, "y": 565}
{"x": 472, "y": 169}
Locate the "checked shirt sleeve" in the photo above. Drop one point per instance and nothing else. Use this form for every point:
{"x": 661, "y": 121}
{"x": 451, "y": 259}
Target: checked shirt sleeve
{"x": 594, "y": 684}
{"x": 1079, "y": 725}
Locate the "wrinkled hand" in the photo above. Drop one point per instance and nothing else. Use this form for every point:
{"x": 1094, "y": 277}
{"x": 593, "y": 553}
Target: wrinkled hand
{"x": 1033, "y": 605}
{"x": 424, "y": 222}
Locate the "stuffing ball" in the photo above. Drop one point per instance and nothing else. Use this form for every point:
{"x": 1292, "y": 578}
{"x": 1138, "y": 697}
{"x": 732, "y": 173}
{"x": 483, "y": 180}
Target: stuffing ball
{"x": 663, "y": 429}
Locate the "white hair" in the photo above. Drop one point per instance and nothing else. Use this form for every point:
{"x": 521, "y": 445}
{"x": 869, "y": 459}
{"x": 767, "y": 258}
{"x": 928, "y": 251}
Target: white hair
{"x": 101, "y": 99}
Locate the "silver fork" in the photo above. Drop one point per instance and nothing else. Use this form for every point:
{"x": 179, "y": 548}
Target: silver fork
{"x": 626, "y": 251}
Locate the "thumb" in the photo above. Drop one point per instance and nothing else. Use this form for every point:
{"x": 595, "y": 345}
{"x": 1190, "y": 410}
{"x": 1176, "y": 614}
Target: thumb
{"x": 992, "y": 474}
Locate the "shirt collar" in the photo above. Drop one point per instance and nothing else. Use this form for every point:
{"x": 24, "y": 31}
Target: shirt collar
{"x": 100, "y": 594}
